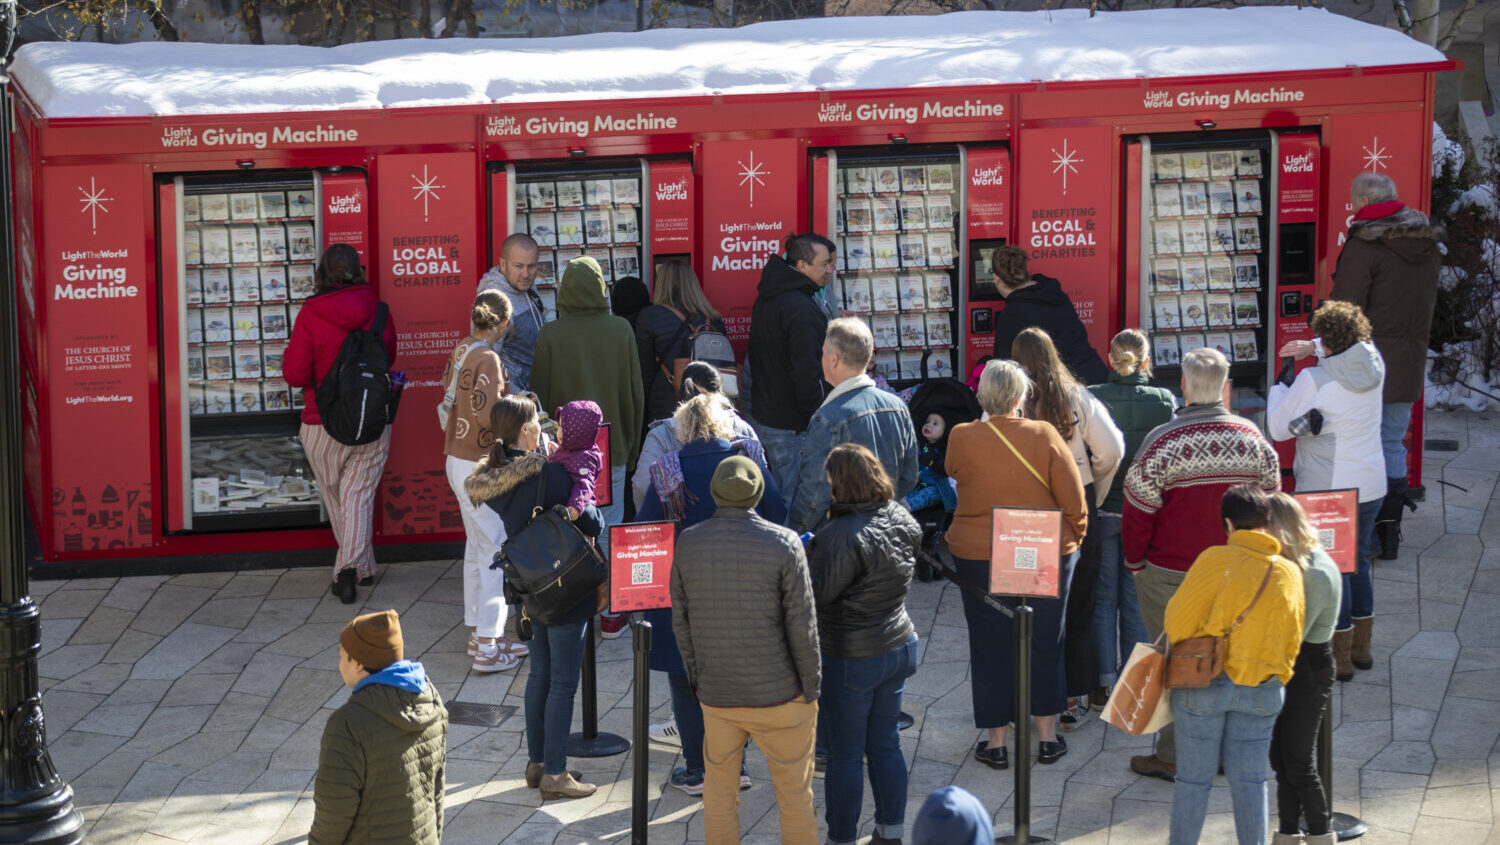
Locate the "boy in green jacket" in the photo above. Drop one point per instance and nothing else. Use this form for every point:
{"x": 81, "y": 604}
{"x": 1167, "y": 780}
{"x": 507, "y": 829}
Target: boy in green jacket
{"x": 380, "y": 772}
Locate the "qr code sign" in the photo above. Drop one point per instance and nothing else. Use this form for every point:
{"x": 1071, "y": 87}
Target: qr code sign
{"x": 1025, "y": 558}
{"x": 640, "y": 574}
{"x": 1325, "y": 538}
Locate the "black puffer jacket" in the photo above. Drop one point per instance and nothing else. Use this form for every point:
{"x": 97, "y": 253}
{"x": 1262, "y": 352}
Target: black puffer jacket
{"x": 1044, "y": 304}
{"x": 661, "y": 337}
{"x": 786, "y": 348}
{"x": 861, "y": 563}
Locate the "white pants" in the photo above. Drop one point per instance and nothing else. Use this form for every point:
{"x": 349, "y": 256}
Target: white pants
{"x": 484, "y": 594}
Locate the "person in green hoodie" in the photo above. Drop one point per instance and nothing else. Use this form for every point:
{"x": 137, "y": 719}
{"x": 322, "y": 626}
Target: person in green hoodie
{"x": 588, "y": 353}
{"x": 380, "y": 770}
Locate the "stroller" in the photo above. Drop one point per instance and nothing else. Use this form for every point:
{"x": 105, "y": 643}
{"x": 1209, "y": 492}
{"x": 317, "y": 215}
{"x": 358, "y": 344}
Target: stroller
{"x": 952, "y": 400}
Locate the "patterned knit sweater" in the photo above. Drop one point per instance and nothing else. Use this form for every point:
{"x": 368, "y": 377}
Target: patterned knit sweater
{"x": 1180, "y": 473}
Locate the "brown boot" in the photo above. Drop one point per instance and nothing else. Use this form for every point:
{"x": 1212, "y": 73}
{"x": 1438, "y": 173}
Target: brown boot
{"x": 1359, "y": 651}
{"x": 534, "y": 774}
{"x": 565, "y": 786}
{"x": 1342, "y": 642}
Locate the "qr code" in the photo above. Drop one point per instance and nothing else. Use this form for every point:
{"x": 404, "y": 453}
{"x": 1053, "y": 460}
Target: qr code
{"x": 1325, "y": 539}
{"x": 640, "y": 574}
{"x": 1025, "y": 558}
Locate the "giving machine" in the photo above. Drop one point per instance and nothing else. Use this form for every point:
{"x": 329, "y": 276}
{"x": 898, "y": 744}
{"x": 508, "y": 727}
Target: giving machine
{"x": 238, "y": 259}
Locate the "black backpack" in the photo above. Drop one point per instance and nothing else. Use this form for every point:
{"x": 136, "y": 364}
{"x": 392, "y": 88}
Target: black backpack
{"x": 356, "y": 399}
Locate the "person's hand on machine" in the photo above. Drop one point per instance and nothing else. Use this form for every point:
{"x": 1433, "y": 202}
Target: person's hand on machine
{"x": 1297, "y": 349}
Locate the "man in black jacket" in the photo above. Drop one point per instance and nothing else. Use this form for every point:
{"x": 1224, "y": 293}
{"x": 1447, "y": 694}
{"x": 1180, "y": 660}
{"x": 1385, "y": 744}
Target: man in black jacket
{"x": 786, "y": 340}
{"x": 1037, "y": 300}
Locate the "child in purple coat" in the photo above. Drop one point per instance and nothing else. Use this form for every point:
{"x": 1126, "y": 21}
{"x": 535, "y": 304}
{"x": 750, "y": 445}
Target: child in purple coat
{"x": 578, "y": 450}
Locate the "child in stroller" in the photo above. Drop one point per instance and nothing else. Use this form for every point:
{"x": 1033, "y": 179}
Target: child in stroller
{"x": 936, "y": 407}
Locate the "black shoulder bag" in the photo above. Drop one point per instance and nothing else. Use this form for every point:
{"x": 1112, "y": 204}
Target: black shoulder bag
{"x": 550, "y": 565}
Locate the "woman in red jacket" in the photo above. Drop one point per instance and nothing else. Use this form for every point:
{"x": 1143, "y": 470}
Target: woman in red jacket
{"x": 347, "y": 475}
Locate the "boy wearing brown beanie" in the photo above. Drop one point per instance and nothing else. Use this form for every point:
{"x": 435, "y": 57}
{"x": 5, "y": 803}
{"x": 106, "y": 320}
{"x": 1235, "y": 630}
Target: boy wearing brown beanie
{"x": 380, "y": 771}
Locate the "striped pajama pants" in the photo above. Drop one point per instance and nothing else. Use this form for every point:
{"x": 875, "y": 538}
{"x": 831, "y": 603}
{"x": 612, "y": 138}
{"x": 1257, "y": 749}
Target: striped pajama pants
{"x": 347, "y": 479}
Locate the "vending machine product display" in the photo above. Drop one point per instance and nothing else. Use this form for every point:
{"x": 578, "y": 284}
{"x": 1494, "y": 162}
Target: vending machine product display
{"x": 246, "y": 261}
{"x": 894, "y": 224}
{"x": 1208, "y": 256}
{"x": 569, "y": 213}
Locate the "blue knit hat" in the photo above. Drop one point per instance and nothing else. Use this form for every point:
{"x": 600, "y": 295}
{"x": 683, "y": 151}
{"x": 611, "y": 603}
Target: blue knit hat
{"x": 952, "y": 816}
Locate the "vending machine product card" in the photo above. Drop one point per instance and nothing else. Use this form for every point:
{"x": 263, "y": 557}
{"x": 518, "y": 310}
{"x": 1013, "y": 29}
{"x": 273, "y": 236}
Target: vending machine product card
{"x": 887, "y": 214}
{"x": 193, "y": 327}
{"x": 640, "y": 566}
{"x": 627, "y": 262}
{"x": 1247, "y": 196}
{"x": 598, "y": 192}
{"x": 272, "y": 205}
{"x": 886, "y": 365}
{"x": 1194, "y": 198}
{"x": 218, "y": 362}
{"x": 887, "y": 333}
{"x": 914, "y": 179}
{"x": 246, "y": 322}
{"x": 570, "y": 194}
{"x": 1025, "y": 552}
{"x": 570, "y": 228}
{"x": 195, "y": 364}
{"x": 1188, "y": 341}
{"x": 1220, "y": 273}
{"x": 218, "y": 397}
{"x": 246, "y": 284}
{"x": 1194, "y": 275}
{"x": 1221, "y": 164}
{"x": 1166, "y": 275}
{"x": 939, "y": 329}
{"x": 910, "y": 361}
{"x": 244, "y": 245}
{"x": 1247, "y": 163}
{"x": 302, "y": 242}
{"x": 596, "y": 226}
{"x": 1219, "y": 341}
{"x": 1165, "y": 312}
{"x": 543, "y": 228}
{"x": 940, "y": 249}
{"x": 858, "y": 216}
{"x": 300, "y": 281}
{"x": 1247, "y": 234}
{"x": 1334, "y": 514}
{"x": 627, "y": 227}
{"x": 913, "y": 250}
{"x": 939, "y": 211}
{"x": 1194, "y": 235}
{"x": 247, "y": 399}
{"x": 939, "y": 290}
{"x": 216, "y": 325}
{"x": 273, "y": 284}
{"x": 887, "y": 252}
{"x": 1195, "y": 165}
{"x": 887, "y": 179}
{"x": 913, "y": 332}
{"x": 912, "y": 298}
{"x": 887, "y": 296}
{"x": 939, "y": 177}
{"x": 858, "y": 297}
{"x": 1164, "y": 350}
{"x": 214, "y": 208}
{"x": 1245, "y": 347}
{"x": 940, "y": 363}
{"x": 913, "y": 213}
{"x": 273, "y": 322}
{"x": 1221, "y": 197}
{"x": 270, "y": 358}
{"x": 627, "y": 191}
{"x": 192, "y": 285}
{"x": 1167, "y": 237}
{"x": 859, "y": 181}
{"x": 192, "y": 247}
{"x": 1167, "y": 166}
{"x": 191, "y": 211}
{"x": 215, "y": 245}
{"x": 1246, "y": 309}
{"x": 195, "y": 399}
{"x": 1220, "y": 310}
{"x": 1194, "y": 311}
{"x": 1221, "y": 236}
{"x": 247, "y": 364}
{"x": 1168, "y": 200}
{"x": 243, "y": 207}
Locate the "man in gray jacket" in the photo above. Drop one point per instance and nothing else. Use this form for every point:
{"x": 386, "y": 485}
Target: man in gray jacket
{"x": 742, "y": 609}
{"x": 514, "y": 277}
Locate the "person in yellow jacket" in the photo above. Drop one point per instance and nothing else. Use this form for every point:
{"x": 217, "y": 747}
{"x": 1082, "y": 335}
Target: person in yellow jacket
{"x": 1231, "y": 719}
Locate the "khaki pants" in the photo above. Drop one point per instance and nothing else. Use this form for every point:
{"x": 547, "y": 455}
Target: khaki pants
{"x": 1154, "y": 586}
{"x": 785, "y": 735}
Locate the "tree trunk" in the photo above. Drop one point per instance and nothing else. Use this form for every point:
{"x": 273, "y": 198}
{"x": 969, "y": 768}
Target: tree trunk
{"x": 250, "y": 17}
{"x": 159, "y": 20}
{"x": 1424, "y": 21}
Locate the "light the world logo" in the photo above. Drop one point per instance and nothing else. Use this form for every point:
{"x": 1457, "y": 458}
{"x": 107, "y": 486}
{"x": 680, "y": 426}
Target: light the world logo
{"x": 425, "y": 189}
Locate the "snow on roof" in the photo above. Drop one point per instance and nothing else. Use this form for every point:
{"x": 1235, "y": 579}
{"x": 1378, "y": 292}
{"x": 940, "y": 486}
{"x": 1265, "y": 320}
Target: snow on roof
{"x": 836, "y": 54}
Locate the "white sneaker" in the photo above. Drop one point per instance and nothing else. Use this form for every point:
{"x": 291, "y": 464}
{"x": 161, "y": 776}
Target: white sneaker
{"x": 491, "y": 659}
{"x": 666, "y": 733}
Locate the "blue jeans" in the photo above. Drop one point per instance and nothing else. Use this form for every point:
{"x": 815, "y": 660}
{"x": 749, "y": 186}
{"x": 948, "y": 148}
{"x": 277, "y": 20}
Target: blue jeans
{"x": 1395, "y": 417}
{"x": 860, "y": 703}
{"x": 1117, "y": 611}
{"x": 783, "y": 448}
{"x": 689, "y": 715}
{"x": 613, "y": 513}
{"x": 556, "y": 663}
{"x": 1228, "y": 722}
{"x": 1359, "y": 589}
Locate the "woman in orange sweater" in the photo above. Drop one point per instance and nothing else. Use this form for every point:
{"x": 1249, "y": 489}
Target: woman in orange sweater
{"x": 1246, "y": 592}
{"x": 1006, "y": 461}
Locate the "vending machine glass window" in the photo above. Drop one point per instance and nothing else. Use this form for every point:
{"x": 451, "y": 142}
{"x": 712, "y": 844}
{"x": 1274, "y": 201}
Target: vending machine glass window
{"x": 1207, "y": 279}
{"x": 894, "y": 222}
{"x": 249, "y": 248}
{"x": 595, "y": 212}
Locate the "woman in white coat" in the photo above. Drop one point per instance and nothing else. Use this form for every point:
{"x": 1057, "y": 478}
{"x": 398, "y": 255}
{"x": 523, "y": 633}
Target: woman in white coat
{"x": 1097, "y": 446}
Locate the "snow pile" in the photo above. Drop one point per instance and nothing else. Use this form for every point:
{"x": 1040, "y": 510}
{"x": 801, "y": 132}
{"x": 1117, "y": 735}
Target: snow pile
{"x": 835, "y": 54}
{"x": 1444, "y": 151}
{"x": 1481, "y": 197}
{"x": 1461, "y": 393}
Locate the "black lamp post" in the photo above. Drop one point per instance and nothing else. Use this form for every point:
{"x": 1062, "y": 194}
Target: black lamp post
{"x": 36, "y": 805}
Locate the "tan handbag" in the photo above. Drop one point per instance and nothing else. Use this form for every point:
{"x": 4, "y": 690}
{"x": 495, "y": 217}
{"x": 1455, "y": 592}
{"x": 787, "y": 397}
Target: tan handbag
{"x": 1194, "y": 662}
{"x": 1138, "y": 704}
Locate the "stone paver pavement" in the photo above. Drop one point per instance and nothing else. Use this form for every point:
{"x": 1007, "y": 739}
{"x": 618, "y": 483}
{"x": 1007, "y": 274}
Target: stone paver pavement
{"x": 188, "y": 709}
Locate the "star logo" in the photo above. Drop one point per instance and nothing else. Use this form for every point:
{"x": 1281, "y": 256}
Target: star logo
{"x": 1375, "y": 156}
{"x": 1064, "y": 162}
{"x": 751, "y": 175}
{"x": 425, "y": 189}
{"x": 94, "y": 201}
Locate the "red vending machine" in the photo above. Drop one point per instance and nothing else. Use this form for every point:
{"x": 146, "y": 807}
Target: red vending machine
{"x": 238, "y": 255}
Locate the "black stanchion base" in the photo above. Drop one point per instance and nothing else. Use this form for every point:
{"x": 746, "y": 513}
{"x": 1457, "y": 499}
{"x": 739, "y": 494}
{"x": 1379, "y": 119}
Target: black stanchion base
{"x": 1347, "y": 827}
{"x": 904, "y": 721}
{"x": 602, "y": 745}
{"x": 1009, "y": 839}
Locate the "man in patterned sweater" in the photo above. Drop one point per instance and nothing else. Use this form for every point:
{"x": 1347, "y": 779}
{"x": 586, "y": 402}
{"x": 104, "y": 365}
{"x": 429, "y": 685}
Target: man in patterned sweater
{"x": 1172, "y": 493}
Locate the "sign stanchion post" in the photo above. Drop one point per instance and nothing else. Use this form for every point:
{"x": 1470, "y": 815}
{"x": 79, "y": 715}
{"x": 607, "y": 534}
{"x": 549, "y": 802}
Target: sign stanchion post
{"x": 1025, "y": 560}
{"x": 589, "y": 742}
{"x": 640, "y": 566}
{"x": 641, "y": 634}
{"x": 1343, "y": 825}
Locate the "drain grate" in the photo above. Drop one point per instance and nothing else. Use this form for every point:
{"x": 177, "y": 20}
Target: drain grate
{"x": 1440, "y": 445}
{"x": 478, "y": 715}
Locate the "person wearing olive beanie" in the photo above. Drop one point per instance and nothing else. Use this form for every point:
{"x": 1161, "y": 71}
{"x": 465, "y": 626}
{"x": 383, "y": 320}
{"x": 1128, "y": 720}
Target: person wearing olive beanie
{"x": 380, "y": 770}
